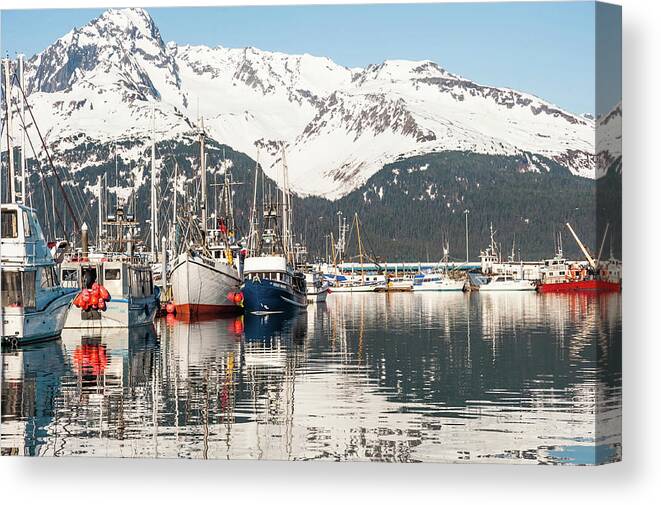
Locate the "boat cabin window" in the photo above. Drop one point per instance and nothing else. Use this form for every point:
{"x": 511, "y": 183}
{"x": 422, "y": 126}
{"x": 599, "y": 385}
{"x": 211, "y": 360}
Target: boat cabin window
{"x": 70, "y": 277}
{"x": 112, "y": 274}
{"x": 26, "y": 225}
{"x": 47, "y": 277}
{"x": 9, "y": 224}
{"x": 29, "y": 299}
{"x": 18, "y": 289}
{"x": 12, "y": 285}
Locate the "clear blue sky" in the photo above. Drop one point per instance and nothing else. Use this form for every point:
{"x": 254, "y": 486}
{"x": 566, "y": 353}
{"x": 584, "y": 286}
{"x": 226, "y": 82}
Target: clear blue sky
{"x": 543, "y": 48}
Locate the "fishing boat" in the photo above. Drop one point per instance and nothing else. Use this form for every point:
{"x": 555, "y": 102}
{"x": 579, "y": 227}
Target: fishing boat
{"x": 204, "y": 276}
{"x": 355, "y": 284}
{"x": 436, "y": 281}
{"x": 562, "y": 276}
{"x": 396, "y": 284}
{"x": 506, "y": 282}
{"x": 272, "y": 281}
{"x": 114, "y": 268}
{"x": 492, "y": 262}
{"x": 440, "y": 279}
{"x": 34, "y": 303}
{"x": 318, "y": 288}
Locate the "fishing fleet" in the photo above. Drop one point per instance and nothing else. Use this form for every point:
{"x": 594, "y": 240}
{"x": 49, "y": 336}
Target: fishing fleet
{"x": 201, "y": 264}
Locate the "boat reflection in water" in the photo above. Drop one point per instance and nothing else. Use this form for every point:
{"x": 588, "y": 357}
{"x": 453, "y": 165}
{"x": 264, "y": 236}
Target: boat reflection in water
{"x": 445, "y": 377}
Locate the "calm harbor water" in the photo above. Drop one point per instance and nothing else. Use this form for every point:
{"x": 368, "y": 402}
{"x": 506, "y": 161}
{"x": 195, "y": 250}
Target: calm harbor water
{"x": 437, "y": 377}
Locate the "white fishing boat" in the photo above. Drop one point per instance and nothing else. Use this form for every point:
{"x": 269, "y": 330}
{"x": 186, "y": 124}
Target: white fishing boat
{"x": 492, "y": 262}
{"x": 134, "y": 299}
{"x": 204, "y": 285}
{"x": 318, "y": 287}
{"x": 396, "y": 284}
{"x": 357, "y": 287}
{"x": 506, "y": 283}
{"x": 34, "y": 303}
{"x": 438, "y": 281}
{"x": 204, "y": 276}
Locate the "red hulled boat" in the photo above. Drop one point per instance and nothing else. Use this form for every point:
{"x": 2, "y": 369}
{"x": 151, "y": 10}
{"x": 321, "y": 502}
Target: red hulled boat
{"x": 561, "y": 276}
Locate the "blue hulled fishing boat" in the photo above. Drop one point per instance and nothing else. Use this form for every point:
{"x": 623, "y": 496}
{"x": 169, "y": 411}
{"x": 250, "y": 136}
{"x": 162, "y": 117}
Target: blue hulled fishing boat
{"x": 272, "y": 282}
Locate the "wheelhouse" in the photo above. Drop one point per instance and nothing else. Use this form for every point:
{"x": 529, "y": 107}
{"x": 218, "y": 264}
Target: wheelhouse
{"x": 120, "y": 278}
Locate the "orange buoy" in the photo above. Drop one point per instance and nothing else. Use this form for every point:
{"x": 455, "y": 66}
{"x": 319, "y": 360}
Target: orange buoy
{"x": 103, "y": 292}
{"x": 77, "y": 301}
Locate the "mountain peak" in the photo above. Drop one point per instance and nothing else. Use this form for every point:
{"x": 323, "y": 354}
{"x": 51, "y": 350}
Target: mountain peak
{"x": 132, "y": 20}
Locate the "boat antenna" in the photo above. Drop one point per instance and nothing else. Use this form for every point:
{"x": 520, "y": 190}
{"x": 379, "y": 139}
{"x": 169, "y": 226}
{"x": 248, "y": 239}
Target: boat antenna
{"x": 11, "y": 176}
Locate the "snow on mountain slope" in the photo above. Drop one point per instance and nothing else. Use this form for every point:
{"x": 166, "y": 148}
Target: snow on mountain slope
{"x": 609, "y": 139}
{"x": 99, "y": 83}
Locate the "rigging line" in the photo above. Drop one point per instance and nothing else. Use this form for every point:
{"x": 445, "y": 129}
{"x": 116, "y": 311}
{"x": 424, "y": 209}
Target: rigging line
{"x": 83, "y": 210}
{"x": 50, "y": 159}
{"x": 374, "y": 258}
{"x": 43, "y": 178}
{"x": 68, "y": 177}
{"x": 49, "y": 226}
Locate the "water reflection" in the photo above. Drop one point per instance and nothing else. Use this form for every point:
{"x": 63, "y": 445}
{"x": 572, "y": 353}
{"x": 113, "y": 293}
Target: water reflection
{"x": 434, "y": 377}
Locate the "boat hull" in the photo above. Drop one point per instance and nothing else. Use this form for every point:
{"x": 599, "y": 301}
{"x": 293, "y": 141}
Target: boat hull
{"x": 593, "y": 285}
{"x": 21, "y": 328}
{"x": 459, "y": 286}
{"x": 317, "y": 296}
{"x": 364, "y": 288}
{"x": 268, "y": 296}
{"x": 204, "y": 287}
{"x": 119, "y": 313}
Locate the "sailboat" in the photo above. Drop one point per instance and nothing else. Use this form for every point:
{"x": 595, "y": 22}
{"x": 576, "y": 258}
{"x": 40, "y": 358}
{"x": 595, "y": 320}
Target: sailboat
{"x": 272, "y": 281}
{"x": 204, "y": 276}
{"x": 357, "y": 283}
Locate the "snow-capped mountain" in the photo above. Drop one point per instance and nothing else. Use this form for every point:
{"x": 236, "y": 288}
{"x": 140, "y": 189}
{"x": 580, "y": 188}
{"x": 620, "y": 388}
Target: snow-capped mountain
{"x": 99, "y": 83}
{"x": 609, "y": 140}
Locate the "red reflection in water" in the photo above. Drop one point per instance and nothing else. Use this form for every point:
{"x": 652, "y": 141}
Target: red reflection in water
{"x": 90, "y": 359}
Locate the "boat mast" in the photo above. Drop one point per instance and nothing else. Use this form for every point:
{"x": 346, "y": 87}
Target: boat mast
{"x": 11, "y": 177}
{"x": 360, "y": 249}
{"x": 253, "y": 216}
{"x": 100, "y": 214}
{"x": 175, "y": 190}
{"x": 153, "y": 242}
{"x": 203, "y": 180}
{"x": 286, "y": 210}
{"x": 21, "y": 83}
